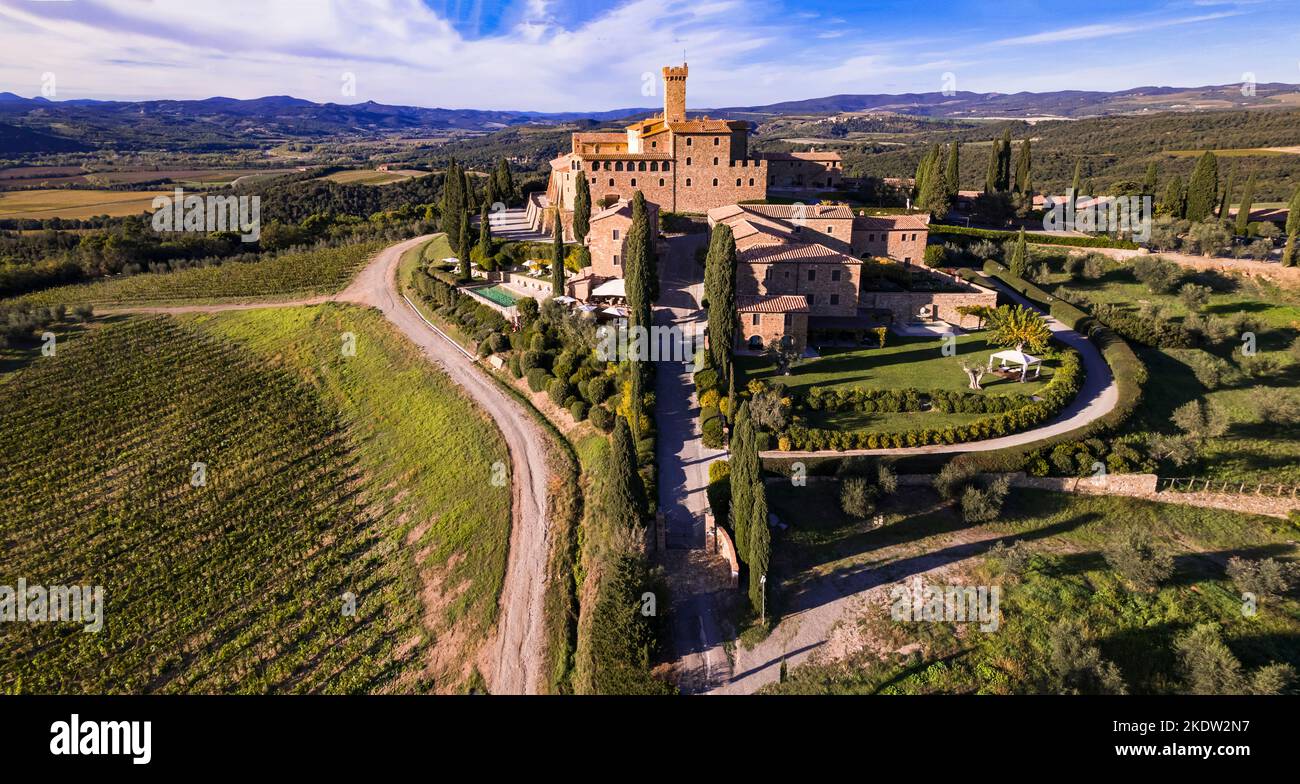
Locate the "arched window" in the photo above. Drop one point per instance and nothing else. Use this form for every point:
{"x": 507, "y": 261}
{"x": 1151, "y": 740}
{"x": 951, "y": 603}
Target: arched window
{"x": 715, "y": 182}
{"x": 634, "y": 182}
{"x": 618, "y": 166}
{"x": 688, "y": 160}
{"x": 751, "y": 182}
{"x": 688, "y": 182}
{"x": 667, "y": 165}
{"x": 640, "y": 166}
{"x": 689, "y": 141}
{"x": 715, "y": 160}
{"x": 716, "y": 141}
{"x": 737, "y": 182}
{"x": 654, "y": 165}
{"x": 661, "y": 182}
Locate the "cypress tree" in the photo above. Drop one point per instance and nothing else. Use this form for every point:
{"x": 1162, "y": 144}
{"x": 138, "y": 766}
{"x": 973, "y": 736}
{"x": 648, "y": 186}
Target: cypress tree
{"x": 731, "y": 398}
{"x": 463, "y": 247}
{"x": 624, "y": 497}
{"x": 1174, "y": 201}
{"x": 1203, "y": 188}
{"x": 1004, "y": 162}
{"x": 1292, "y": 229}
{"x": 467, "y": 188}
{"x": 638, "y": 265}
{"x": 1076, "y": 182}
{"x": 484, "y": 235}
{"x": 581, "y": 209}
{"x": 490, "y": 191}
{"x": 1226, "y": 202}
{"x": 720, "y": 298}
{"x": 760, "y": 546}
{"x": 952, "y": 172}
{"x": 1024, "y": 169}
{"x": 557, "y": 256}
{"x": 1149, "y": 182}
{"x": 505, "y": 184}
{"x": 636, "y": 407}
{"x": 744, "y": 473}
{"x": 918, "y": 181}
{"x": 452, "y": 203}
{"x": 1020, "y": 257}
{"x": 991, "y": 173}
{"x": 1247, "y": 201}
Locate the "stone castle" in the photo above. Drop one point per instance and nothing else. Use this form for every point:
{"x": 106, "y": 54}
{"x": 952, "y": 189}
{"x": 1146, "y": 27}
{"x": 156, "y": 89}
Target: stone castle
{"x": 681, "y": 164}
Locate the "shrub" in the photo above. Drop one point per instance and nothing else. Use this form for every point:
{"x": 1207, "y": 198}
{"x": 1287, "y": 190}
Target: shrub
{"x": 981, "y": 505}
{"x": 857, "y": 497}
{"x": 935, "y": 256}
{"x": 602, "y": 418}
{"x": 1266, "y": 578}
{"x": 711, "y": 428}
{"x": 1136, "y": 557}
{"x": 538, "y": 379}
{"x": 578, "y": 410}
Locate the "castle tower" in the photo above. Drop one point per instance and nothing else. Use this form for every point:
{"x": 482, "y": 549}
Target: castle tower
{"x": 675, "y": 93}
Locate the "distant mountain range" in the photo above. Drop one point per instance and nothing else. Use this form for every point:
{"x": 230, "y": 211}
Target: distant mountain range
{"x": 42, "y": 125}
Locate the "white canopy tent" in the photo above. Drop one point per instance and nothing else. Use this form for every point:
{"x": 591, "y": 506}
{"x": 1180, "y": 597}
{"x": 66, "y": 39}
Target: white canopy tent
{"x": 1013, "y": 358}
{"x": 614, "y": 287}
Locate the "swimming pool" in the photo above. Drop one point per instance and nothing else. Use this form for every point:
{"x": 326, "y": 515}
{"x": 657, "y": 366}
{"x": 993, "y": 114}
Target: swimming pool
{"x": 503, "y": 297}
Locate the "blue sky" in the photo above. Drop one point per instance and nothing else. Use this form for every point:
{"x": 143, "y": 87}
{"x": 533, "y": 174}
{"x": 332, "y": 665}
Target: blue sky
{"x": 574, "y": 55}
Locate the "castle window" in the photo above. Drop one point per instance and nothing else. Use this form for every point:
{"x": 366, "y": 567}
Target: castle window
{"x": 737, "y": 182}
{"x": 667, "y": 165}
{"x": 640, "y": 166}
{"x": 751, "y": 182}
{"x": 715, "y": 182}
{"x": 835, "y": 299}
{"x": 835, "y": 275}
{"x": 812, "y": 274}
{"x": 614, "y": 235}
{"x": 871, "y": 238}
{"x": 618, "y": 166}
{"x": 688, "y": 182}
{"x": 593, "y": 180}
{"x": 755, "y": 319}
{"x": 688, "y": 141}
{"x": 661, "y": 182}
{"x": 611, "y": 182}
{"x": 715, "y": 160}
{"x": 616, "y": 259}
{"x": 654, "y": 144}
{"x": 654, "y": 165}
{"x": 830, "y": 229}
{"x": 688, "y": 161}
{"x": 634, "y": 182}
{"x": 716, "y": 141}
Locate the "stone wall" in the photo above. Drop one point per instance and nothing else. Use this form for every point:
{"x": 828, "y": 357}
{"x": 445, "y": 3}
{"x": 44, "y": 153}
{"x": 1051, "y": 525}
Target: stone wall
{"x": 791, "y": 277}
{"x": 771, "y": 326}
{"x": 907, "y": 246}
{"x": 906, "y": 305}
{"x": 1286, "y": 276}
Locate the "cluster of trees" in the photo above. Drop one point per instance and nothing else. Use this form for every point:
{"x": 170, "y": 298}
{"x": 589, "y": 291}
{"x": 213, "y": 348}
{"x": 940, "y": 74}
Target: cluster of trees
{"x": 21, "y": 323}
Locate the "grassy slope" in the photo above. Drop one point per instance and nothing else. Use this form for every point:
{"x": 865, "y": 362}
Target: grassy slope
{"x": 422, "y": 443}
{"x": 1251, "y": 450}
{"x": 298, "y": 274}
{"x": 1068, "y": 579}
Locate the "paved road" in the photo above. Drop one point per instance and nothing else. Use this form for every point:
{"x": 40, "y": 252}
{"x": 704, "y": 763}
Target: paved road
{"x": 514, "y": 658}
{"x": 1098, "y": 396}
{"x": 699, "y": 580}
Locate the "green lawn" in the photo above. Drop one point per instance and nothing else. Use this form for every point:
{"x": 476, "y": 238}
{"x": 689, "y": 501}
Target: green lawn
{"x": 1068, "y": 578}
{"x": 902, "y": 363}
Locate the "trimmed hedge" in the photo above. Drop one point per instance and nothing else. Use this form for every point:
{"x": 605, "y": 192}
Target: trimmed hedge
{"x": 1039, "y": 239}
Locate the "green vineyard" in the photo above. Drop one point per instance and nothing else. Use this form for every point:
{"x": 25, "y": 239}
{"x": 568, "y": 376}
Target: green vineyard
{"x": 297, "y": 273}
{"x": 238, "y": 582}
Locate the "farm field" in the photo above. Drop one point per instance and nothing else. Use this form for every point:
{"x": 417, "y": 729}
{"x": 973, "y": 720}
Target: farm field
{"x": 1067, "y": 577}
{"x": 75, "y": 203}
{"x": 292, "y": 274}
{"x": 371, "y": 177}
{"x": 238, "y": 583}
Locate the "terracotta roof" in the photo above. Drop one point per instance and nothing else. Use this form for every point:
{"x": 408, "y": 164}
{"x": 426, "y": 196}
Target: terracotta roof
{"x": 792, "y": 211}
{"x": 784, "y": 303}
{"x": 892, "y": 222}
{"x": 803, "y": 252}
{"x": 802, "y": 156}
{"x": 708, "y": 125}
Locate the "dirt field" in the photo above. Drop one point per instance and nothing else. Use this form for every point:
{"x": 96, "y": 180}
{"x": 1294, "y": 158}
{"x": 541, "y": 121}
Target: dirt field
{"x": 75, "y": 204}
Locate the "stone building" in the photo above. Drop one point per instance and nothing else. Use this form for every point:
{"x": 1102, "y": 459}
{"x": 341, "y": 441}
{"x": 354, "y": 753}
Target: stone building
{"x": 607, "y": 237}
{"x": 801, "y": 170}
{"x": 680, "y": 163}
{"x": 800, "y": 273}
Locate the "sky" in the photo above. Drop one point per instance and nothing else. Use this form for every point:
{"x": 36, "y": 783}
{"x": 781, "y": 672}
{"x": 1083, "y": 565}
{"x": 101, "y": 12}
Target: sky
{"x": 591, "y": 55}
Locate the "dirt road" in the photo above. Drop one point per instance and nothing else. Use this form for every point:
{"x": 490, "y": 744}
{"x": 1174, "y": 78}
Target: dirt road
{"x": 513, "y": 659}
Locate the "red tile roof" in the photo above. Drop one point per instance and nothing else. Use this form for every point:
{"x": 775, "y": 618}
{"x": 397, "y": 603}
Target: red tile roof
{"x": 784, "y": 303}
{"x": 802, "y": 252}
{"x": 892, "y": 222}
